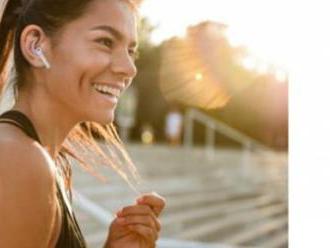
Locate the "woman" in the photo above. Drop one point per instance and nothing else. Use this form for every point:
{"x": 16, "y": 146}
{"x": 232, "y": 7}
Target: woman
{"x": 72, "y": 60}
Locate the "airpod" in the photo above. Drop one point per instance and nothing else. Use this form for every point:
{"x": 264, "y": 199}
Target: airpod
{"x": 37, "y": 51}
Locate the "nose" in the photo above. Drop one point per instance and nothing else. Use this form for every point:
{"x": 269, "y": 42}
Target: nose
{"x": 123, "y": 64}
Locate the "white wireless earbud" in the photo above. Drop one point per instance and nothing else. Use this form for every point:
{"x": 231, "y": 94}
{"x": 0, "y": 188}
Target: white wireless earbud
{"x": 37, "y": 51}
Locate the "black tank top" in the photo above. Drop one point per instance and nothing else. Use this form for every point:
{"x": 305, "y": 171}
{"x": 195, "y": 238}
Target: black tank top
{"x": 71, "y": 235}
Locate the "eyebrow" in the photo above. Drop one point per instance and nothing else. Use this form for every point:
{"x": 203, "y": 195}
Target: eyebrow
{"x": 117, "y": 34}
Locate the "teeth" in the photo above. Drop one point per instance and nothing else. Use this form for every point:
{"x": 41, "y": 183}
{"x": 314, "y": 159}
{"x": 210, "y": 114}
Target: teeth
{"x": 107, "y": 89}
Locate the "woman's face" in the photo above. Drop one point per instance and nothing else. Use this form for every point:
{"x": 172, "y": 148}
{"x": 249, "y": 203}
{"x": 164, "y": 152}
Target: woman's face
{"x": 92, "y": 61}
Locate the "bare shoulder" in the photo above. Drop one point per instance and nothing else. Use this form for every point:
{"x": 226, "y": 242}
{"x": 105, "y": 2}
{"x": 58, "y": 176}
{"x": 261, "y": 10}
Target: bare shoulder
{"x": 27, "y": 191}
{"x": 24, "y": 155}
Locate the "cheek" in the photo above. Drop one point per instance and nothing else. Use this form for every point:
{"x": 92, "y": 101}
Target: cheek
{"x": 78, "y": 67}
{"x": 90, "y": 66}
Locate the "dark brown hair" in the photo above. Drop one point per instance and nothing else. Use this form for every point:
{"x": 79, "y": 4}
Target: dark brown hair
{"x": 51, "y": 15}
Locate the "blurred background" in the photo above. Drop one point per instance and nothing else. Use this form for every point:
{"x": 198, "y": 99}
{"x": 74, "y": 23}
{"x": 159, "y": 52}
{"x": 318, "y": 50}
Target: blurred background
{"x": 206, "y": 124}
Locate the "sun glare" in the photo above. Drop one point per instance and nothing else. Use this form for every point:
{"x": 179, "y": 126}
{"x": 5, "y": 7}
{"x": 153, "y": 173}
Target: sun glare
{"x": 261, "y": 26}
{"x": 249, "y": 63}
{"x": 198, "y": 76}
{"x": 281, "y": 76}
{"x": 186, "y": 75}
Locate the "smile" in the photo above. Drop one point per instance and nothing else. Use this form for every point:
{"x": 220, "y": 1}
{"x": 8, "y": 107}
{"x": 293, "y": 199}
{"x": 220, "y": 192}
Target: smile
{"x": 107, "y": 89}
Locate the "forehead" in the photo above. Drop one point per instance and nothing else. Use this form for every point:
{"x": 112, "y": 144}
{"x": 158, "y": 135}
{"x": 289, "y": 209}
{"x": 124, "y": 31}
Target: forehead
{"x": 114, "y": 13}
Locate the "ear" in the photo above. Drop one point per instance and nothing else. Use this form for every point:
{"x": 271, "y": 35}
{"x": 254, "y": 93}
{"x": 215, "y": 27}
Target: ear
{"x": 32, "y": 37}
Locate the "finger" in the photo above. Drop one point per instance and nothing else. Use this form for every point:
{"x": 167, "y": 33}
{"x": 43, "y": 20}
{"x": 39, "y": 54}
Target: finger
{"x": 120, "y": 230}
{"x": 154, "y": 200}
{"x": 135, "y": 210}
{"x": 140, "y": 210}
{"x": 147, "y": 233}
{"x": 147, "y": 220}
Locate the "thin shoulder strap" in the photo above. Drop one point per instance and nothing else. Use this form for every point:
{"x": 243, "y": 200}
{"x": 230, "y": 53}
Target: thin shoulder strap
{"x": 23, "y": 122}
{"x": 20, "y": 120}
{"x": 71, "y": 231}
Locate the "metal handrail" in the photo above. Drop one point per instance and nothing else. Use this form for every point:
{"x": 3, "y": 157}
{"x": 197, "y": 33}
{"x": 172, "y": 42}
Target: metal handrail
{"x": 213, "y": 126}
{"x": 104, "y": 217}
{"x": 175, "y": 243}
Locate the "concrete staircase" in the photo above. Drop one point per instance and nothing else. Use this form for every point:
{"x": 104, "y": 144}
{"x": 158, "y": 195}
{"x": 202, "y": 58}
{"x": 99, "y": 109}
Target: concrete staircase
{"x": 214, "y": 202}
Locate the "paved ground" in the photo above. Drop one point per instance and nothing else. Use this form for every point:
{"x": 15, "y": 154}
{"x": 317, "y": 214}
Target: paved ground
{"x": 231, "y": 198}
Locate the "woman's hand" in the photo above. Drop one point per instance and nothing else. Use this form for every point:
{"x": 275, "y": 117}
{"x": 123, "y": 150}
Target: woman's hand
{"x": 137, "y": 226}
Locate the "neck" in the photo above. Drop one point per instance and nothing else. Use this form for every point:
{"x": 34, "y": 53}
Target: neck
{"x": 49, "y": 118}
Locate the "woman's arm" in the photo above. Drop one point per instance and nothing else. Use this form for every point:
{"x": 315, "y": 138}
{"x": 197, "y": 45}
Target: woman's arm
{"x": 27, "y": 195}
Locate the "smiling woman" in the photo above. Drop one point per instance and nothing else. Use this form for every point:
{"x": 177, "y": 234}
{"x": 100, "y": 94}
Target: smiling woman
{"x": 71, "y": 62}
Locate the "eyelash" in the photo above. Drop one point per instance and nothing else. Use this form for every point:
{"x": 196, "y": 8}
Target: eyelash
{"x": 134, "y": 54}
{"x": 105, "y": 41}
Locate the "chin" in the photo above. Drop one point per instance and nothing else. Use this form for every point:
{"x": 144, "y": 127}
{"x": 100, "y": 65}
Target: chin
{"x": 103, "y": 118}
{"x": 107, "y": 119}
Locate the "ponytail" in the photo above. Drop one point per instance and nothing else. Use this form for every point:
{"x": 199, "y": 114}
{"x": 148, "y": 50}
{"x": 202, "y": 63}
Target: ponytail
{"x": 7, "y": 30}
{"x": 9, "y": 12}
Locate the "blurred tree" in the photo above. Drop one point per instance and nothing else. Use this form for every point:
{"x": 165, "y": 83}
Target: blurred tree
{"x": 152, "y": 106}
{"x": 204, "y": 70}
{"x": 145, "y": 30}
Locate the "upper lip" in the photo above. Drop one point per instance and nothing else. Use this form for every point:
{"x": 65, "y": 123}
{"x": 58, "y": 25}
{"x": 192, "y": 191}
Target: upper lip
{"x": 119, "y": 86}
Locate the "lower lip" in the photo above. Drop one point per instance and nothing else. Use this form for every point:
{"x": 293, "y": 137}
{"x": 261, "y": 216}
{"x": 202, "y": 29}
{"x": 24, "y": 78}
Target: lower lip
{"x": 108, "y": 98}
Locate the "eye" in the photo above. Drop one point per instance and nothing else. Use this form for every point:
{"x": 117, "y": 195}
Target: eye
{"x": 106, "y": 42}
{"x": 133, "y": 53}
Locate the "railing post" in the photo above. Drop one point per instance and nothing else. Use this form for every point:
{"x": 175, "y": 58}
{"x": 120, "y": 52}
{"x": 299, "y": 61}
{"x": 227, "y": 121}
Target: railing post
{"x": 213, "y": 126}
{"x": 246, "y": 159}
{"x": 188, "y": 129}
{"x": 210, "y": 140}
